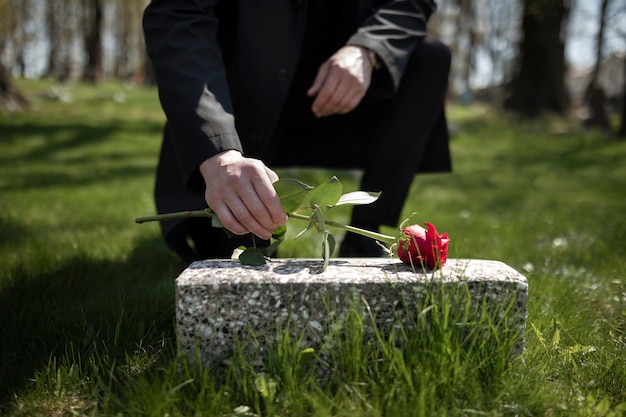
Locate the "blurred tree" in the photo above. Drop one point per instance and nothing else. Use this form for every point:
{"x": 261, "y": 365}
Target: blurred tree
{"x": 130, "y": 50}
{"x": 501, "y": 20}
{"x": 595, "y": 95}
{"x": 59, "y": 23}
{"x": 621, "y": 133}
{"x": 6, "y": 24}
{"x": 10, "y": 98}
{"x": 123, "y": 35}
{"x": 599, "y": 41}
{"x": 483, "y": 36}
{"x": 466, "y": 35}
{"x": 20, "y": 33}
{"x": 53, "y": 29}
{"x": 539, "y": 84}
{"x": 620, "y": 18}
{"x": 92, "y": 32}
{"x": 62, "y": 18}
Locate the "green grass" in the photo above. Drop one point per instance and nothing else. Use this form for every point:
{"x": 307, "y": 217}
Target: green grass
{"x": 87, "y": 295}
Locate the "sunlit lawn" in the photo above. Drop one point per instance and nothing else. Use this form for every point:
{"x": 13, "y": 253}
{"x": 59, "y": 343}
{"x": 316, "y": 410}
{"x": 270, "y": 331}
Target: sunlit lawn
{"x": 87, "y": 295}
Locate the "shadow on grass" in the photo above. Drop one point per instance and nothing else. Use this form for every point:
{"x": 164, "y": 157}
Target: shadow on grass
{"x": 81, "y": 307}
{"x": 545, "y": 168}
{"x": 597, "y": 156}
{"x": 12, "y": 233}
{"x": 80, "y": 153}
{"x": 533, "y": 146}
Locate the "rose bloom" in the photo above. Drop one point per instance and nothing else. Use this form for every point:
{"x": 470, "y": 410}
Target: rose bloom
{"x": 419, "y": 246}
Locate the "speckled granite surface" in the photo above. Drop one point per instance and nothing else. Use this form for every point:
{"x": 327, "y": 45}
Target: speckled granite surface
{"x": 220, "y": 300}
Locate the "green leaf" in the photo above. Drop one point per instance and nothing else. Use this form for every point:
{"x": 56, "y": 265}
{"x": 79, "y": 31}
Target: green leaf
{"x": 278, "y": 236}
{"x": 328, "y": 247}
{"x": 292, "y": 193}
{"x": 279, "y": 233}
{"x": 252, "y": 256}
{"x": 327, "y": 194}
{"x": 271, "y": 249}
{"x": 358, "y": 198}
{"x": 318, "y": 218}
{"x": 331, "y": 244}
{"x": 308, "y": 227}
{"x": 215, "y": 222}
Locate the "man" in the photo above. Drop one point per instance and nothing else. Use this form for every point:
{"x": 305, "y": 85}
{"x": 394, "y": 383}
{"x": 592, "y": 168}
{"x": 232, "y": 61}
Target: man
{"x": 249, "y": 85}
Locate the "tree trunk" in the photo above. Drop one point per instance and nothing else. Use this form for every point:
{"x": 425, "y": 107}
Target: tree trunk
{"x": 465, "y": 25}
{"x": 120, "y": 66}
{"x": 10, "y": 98}
{"x": 53, "y": 66}
{"x": 621, "y": 133}
{"x": 539, "y": 84}
{"x": 595, "y": 96}
{"x": 599, "y": 42}
{"x": 93, "y": 72}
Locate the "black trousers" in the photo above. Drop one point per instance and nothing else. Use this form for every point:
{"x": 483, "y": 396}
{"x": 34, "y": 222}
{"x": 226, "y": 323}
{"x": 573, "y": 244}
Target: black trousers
{"x": 389, "y": 139}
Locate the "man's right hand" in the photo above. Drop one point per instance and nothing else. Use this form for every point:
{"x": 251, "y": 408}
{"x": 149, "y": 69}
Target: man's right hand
{"x": 240, "y": 192}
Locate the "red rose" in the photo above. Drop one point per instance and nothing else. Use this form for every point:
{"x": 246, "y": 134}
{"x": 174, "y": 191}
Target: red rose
{"x": 419, "y": 246}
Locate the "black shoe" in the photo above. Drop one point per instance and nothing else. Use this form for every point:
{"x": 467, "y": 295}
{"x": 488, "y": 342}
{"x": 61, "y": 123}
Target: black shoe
{"x": 357, "y": 246}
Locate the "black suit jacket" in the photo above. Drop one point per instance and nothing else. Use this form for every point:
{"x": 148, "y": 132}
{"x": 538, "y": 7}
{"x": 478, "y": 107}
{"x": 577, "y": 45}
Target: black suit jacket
{"x": 198, "y": 46}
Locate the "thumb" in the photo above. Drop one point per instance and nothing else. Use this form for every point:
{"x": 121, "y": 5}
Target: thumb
{"x": 319, "y": 80}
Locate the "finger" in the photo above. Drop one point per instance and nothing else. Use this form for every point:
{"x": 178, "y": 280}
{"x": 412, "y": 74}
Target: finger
{"x": 350, "y": 102}
{"x": 238, "y": 211}
{"x": 247, "y": 213}
{"x": 322, "y": 73}
{"x": 329, "y": 96}
{"x": 339, "y": 102}
{"x": 279, "y": 213}
{"x": 264, "y": 211}
{"x": 271, "y": 175}
{"x": 228, "y": 220}
{"x": 344, "y": 100}
{"x": 269, "y": 198}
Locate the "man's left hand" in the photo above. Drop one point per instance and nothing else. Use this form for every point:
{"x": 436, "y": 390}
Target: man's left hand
{"x": 341, "y": 82}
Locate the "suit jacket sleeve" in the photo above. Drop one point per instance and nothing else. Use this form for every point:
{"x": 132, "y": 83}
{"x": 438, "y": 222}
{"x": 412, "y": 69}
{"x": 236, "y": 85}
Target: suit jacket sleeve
{"x": 181, "y": 41}
{"x": 393, "y": 31}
